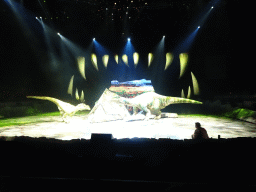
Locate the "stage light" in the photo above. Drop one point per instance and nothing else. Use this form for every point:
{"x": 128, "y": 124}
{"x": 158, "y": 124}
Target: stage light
{"x": 169, "y": 59}
{"x": 36, "y": 17}
{"x": 77, "y": 95}
{"x": 164, "y": 36}
{"x": 82, "y": 97}
{"x": 129, "y": 39}
{"x": 93, "y": 39}
{"x": 212, "y": 7}
{"x": 70, "y": 87}
{"x": 125, "y": 59}
{"x": 40, "y": 17}
{"x": 182, "y": 94}
{"x": 195, "y": 84}
{"x": 189, "y": 93}
{"x": 94, "y": 61}
{"x": 116, "y": 58}
{"x": 136, "y": 59}
{"x": 105, "y": 60}
{"x": 198, "y": 27}
{"x": 58, "y": 34}
{"x": 150, "y": 58}
{"x": 81, "y": 66}
{"x": 183, "y": 63}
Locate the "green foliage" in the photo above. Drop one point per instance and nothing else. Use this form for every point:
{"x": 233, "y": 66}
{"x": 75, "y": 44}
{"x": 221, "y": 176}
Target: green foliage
{"x": 32, "y": 111}
{"x": 240, "y": 113}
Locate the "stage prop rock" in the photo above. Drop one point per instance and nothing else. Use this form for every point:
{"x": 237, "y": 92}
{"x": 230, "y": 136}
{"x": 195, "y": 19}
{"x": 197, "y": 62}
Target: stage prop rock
{"x": 107, "y": 110}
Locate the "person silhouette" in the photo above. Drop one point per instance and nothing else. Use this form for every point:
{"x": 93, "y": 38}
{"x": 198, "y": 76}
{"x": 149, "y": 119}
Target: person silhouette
{"x": 200, "y": 132}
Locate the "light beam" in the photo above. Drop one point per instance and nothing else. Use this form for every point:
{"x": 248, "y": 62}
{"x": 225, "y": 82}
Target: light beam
{"x": 116, "y": 59}
{"x": 81, "y": 66}
{"x": 169, "y": 59}
{"x": 105, "y": 60}
{"x": 195, "y": 84}
{"x": 94, "y": 61}
{"x": 135, "y": 59}
{"x": 82, "y": 96}
{"x": 125, "y": 59}
{"x": 189, "y": 93}
{"x": 150, "y": 59}
{"x": 70, "y": 87}
{"x": 77, "y": 95}
{"x": 183, "y": 63}
{"x": 182, "y": 94}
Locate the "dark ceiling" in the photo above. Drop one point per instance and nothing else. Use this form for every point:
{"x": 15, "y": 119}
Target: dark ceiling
{"x": 214, "y": 56}
{"x": 117, "y": 18}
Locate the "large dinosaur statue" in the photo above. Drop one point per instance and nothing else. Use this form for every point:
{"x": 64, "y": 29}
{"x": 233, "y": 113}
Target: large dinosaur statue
{"x": 65, "y": 109}
{"x": 152, "y": 103}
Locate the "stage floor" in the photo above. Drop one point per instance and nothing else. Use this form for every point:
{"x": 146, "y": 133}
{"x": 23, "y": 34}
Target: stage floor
{"x": 174, "y": 128}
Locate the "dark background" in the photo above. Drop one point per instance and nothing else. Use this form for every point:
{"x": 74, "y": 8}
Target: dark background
{"x": 219, "y": 56}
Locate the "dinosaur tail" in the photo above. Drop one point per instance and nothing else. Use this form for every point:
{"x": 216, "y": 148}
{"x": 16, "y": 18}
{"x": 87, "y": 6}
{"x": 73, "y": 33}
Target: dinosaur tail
{"x": 37, "y": 97}
{"x": 45, "y": 98}
{"x": 176, "y": 100}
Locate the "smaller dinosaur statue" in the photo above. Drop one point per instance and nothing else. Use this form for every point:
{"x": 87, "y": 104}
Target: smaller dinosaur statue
{"x": 152, "y": 103}
{"x": 65, "y": 109}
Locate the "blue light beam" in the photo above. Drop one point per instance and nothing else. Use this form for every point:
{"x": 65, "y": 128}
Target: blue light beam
{"x": 187, "y": 43}
{"x": 101, "y": 52}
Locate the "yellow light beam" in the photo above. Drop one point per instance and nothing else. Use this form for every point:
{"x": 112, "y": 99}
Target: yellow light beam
{"x": 81, "y": 66}
{"x": 82, "y": 96}
{"x": 169, "y": 59}
{"x": 136, "y": 59}
{"x": 70, "y": 87}
{"x": 116, "y": 58}
{"x": 182, "y": 94}
{"x": 77, "y": 95}
{"x": 125, "y": 59}
{"x": 94, "y": 61}
{"x": 189, "y": 93}
{"x": 195, "y": 84}
{"x": 183, "y": 63}
{"x": 105, "y": 60}
{"x": 150, "y": 58}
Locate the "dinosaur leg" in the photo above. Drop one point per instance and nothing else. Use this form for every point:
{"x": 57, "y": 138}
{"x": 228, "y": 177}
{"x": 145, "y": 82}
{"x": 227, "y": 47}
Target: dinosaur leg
{"x": 64, "y": 118}
{"x": 148, "y": 113}
{"x": 135, "y": 110}
{"x": 62, "y": 114}
{"x": 158, "y": 115}
{"x": 155, "y": 109}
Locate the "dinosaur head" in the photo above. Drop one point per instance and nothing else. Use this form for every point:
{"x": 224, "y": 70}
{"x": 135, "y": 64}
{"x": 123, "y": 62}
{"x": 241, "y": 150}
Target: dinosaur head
{"x": 83, "y": 106}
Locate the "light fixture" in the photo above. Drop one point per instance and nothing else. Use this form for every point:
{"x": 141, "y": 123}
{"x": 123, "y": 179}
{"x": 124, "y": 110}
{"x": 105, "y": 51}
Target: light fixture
{"x": 198, "y": 27}
{"x": 58, "y": 33}
{"x": 129, "y": 39}
{"x": 93, "y": 39}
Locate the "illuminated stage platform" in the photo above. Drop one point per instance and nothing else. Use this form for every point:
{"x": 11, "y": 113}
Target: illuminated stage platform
{"x": 174, "y": 128}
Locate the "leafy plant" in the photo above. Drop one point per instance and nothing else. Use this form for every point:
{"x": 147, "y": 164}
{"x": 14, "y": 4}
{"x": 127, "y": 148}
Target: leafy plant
{"x": 32, "y": 111}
